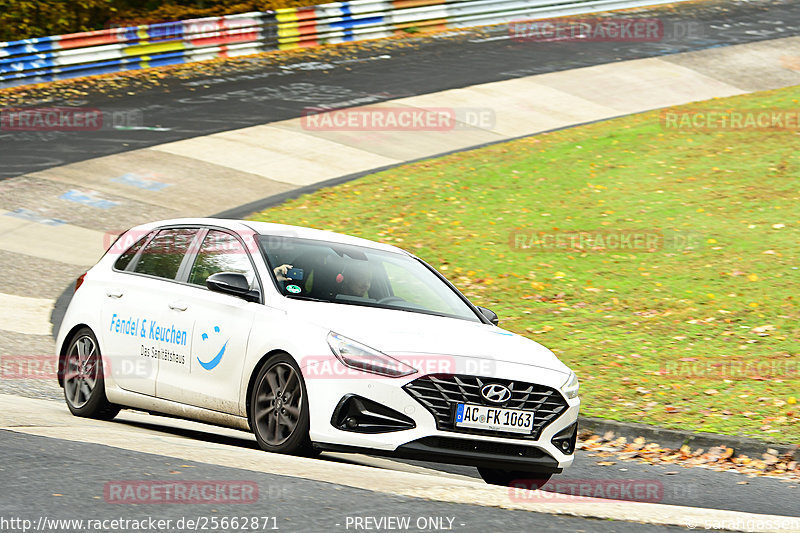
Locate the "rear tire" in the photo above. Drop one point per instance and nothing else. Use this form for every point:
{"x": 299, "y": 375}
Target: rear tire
{"x": 279, "y": 412}
{"x": 84, "y": 386}
{"x": 514, "y": 478}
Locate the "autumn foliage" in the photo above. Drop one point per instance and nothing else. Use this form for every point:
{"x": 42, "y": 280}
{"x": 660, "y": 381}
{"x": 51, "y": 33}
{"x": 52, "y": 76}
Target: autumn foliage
{"x": 23, "y": 19}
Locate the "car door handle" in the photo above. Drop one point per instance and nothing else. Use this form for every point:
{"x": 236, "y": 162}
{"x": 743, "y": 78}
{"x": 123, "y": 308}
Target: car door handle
{"x": 114, "y": 293}
{"x": 178, "y": 306}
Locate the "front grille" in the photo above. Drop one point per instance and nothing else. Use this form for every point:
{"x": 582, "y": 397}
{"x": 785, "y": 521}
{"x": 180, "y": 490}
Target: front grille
{"x": 440, "y": 393}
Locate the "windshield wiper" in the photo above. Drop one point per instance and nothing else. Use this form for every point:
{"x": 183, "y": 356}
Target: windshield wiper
{"x": 308, "y": 298}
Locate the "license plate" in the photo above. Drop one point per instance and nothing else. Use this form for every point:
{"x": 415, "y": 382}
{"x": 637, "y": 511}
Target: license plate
{"x": 493, "y": 418}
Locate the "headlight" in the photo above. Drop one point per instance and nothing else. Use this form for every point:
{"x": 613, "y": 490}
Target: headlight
{"x": 570, "y": 388}
{"x": 356, "y": 355}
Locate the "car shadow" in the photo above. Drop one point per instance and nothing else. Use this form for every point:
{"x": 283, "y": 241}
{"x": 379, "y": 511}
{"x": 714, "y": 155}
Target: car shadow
{"x": 248, "y": 441}
{"x": 207, "y": 436}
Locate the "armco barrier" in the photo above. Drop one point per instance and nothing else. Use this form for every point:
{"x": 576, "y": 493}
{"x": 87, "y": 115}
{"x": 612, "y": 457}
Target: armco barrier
{"x": 113, "y": 50}
{"x": 369, "y": 19}
{"x": 98, "y": 52}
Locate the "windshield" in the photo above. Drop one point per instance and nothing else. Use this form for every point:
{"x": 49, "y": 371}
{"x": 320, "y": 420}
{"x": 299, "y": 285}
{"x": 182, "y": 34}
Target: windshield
{"x": 340, "y": 273}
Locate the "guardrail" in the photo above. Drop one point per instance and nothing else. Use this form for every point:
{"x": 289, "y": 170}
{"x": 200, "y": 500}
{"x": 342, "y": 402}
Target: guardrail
{"x": 83, "y": 54}
{"x": 119, "y": 49}
{"x": 369, "y": 19}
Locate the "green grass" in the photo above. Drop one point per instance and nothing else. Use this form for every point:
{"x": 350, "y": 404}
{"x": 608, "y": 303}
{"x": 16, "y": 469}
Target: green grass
{"x": 660, "y": 336}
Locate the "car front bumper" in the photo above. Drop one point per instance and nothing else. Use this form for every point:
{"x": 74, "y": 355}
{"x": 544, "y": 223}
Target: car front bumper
{"x": 423, "y": 436}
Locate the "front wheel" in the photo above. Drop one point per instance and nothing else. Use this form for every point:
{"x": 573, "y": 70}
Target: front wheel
{"x": 279, "y": 408}
{"x": 514, "y": 478}
{"x": 84, "y": 386}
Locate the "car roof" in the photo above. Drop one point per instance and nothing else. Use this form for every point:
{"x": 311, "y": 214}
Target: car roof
{"x": 269, "y": 228}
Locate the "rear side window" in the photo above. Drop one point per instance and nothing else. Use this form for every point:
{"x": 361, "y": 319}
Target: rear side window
{"x": 163, "y": 255}
{"x": 125, "y": 259}
{"x": 221, "y": 252}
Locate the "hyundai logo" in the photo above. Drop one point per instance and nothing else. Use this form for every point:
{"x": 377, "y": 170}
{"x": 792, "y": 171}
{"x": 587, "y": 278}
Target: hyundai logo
{"x": 495, "y": 393}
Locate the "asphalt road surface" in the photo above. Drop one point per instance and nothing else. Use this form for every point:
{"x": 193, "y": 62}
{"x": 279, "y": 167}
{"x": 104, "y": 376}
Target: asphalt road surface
{"x": 684, "y": 486}
{"x": 213, "y": 98}
{"x": 68, "y": 480}
{"x": 51, "y": 479}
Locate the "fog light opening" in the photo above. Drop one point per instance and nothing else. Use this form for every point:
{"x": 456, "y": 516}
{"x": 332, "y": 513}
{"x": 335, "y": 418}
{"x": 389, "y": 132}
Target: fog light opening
{"x": 362, "y": 415}
{"x": 566, "y": 439}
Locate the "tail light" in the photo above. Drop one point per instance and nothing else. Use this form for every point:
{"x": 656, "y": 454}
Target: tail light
{"x": 79, "y": 282}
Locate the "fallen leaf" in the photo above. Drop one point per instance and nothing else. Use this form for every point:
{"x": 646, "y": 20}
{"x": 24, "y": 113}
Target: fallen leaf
{"x": 728, "y": 453}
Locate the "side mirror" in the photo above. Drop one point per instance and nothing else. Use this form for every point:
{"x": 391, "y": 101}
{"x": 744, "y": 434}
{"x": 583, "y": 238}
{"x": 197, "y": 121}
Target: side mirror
{"x": 491, "y": 315}
{"x": 234, "y": 284}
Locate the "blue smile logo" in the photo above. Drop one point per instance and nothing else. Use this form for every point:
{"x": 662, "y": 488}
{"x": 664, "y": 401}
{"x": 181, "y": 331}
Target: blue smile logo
{"x": 217, "y": 358}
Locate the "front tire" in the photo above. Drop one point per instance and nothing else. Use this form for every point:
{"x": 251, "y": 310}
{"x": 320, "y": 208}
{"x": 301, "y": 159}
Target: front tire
{"x": 279, "y": 407}
{"x": 514, "y": 478}
{"x": 84, "y": 386}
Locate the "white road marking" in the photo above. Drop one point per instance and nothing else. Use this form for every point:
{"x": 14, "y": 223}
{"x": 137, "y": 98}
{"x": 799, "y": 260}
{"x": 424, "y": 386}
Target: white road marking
{"x": 30, "y": 316}
{"x": 51, "y": 419}
{"x": 141, "y": 128}
{"x": 488, "y": 39}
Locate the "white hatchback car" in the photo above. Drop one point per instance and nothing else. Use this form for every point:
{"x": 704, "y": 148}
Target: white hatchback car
{"x": 313, "y": 341}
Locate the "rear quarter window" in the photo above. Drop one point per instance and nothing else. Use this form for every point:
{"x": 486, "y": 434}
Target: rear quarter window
{"x": 127, "y": 256}
{"x": 163, "y": 255}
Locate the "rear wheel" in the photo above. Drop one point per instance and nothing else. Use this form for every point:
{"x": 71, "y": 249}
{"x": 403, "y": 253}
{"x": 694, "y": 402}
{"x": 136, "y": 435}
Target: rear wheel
{"x": 514, "y": 478}
{"x": 279, "y": 407}
{"x": 84, "y": 386}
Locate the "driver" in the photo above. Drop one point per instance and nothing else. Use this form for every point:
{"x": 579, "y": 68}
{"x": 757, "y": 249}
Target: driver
{"x": 356, "y": 279}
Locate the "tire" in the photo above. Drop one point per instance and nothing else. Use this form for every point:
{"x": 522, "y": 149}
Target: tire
{"x": 514, "y": 478}
{"x": 280, "y": 423}
{"x": 84, "y": 385}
